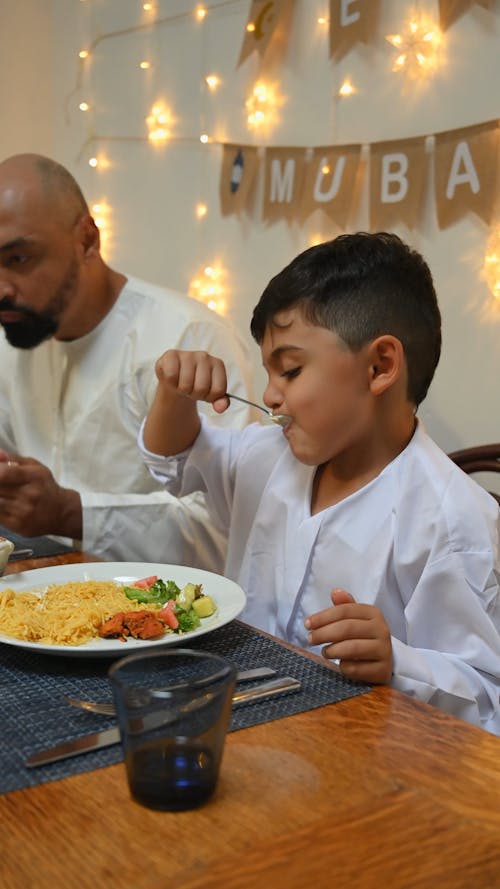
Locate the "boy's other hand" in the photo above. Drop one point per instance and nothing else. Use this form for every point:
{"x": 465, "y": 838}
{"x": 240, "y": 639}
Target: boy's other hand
{"x": 356, "y": 635}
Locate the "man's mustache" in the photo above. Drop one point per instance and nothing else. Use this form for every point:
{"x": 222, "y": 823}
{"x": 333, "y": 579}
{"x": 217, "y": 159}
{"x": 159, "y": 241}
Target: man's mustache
{"x": 6, "y": 305}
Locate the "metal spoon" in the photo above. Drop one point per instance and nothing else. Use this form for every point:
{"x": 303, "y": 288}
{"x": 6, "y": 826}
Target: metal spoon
{"x": 279, "y": 419}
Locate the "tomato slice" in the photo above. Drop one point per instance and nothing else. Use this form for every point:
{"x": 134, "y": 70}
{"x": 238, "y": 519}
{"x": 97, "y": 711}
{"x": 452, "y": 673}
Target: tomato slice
{"x": 168, "y": 616}
{"x": 145, "y": 583}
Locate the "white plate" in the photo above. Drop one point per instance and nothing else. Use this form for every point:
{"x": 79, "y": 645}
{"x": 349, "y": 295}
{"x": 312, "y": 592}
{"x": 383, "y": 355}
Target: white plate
{"x": 227, "y": 595}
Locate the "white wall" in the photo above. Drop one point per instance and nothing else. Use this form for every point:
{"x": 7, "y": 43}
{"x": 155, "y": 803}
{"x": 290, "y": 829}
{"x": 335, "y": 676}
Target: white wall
{"x": 26, "y": 77}
{"x": 153, "y": 193}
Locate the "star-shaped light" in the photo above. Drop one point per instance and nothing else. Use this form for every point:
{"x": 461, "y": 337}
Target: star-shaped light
{"x": 417, "y": 47}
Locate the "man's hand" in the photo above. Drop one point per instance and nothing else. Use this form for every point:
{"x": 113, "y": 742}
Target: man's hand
{"x": 357, "y": 635}
{"x": 33, "y": 504}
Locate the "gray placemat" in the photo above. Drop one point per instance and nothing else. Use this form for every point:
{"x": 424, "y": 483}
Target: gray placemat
{"x": 35, "y": 714}
{"x": 41, "y": 546}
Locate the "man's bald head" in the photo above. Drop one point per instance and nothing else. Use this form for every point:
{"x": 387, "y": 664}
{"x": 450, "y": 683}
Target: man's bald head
{"x": 42, "y": 178}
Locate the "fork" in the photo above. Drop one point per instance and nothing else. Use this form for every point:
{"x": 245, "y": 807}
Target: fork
{"x": 279, "y": 419}
{"x": 106, "y": 708}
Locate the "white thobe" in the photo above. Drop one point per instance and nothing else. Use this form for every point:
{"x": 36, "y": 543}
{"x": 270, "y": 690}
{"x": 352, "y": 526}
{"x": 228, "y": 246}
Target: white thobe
{"x": 420, "y": 542}
{"x": 77, "y": 407}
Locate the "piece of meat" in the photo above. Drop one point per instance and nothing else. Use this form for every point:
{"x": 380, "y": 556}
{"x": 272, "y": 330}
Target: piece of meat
{"x": 143, "y": 624}
{"x": 139, "y": 624}
{"x": 113, "y": 626}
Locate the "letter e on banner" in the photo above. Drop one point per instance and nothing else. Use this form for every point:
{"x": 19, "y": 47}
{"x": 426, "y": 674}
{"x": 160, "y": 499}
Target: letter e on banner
{"x": 352, "y": 21}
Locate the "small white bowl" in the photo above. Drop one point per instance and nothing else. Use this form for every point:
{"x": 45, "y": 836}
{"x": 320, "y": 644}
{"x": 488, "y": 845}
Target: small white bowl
{"x": 6, "y": 547}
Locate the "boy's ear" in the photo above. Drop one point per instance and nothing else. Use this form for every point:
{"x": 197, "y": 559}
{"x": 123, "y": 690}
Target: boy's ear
{"x": 387, "y": 363}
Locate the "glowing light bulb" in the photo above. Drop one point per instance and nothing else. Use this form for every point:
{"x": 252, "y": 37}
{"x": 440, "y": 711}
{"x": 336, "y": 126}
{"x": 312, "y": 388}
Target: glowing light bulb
{"x": 93, "y": 162}
{"x": 145, "y": 65}
{"x": 261, "y": 105}
{"x": 201, "y": 210}
{"x": 208, "y": 288}
{"x": 159, "y": 122}
{"x": 212, "y": 81}
{"x": 201, "y": 13}
{"x": 325, "y": 169}
{"x": 491, "y": 266}
{"x": 418, "y": 47}
{"x": 322, "y": 20}
{"x": 84, "y": 54}
{"x": 250, "y": 27}
{"x": 84, "y": 106}
{"x": 204, "y": 138}
{"x": 347, "y": 89}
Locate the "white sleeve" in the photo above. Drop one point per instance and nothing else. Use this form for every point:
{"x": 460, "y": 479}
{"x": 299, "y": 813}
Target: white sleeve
{"x": 453, "y": 660}
{"x": 156, "y": 527}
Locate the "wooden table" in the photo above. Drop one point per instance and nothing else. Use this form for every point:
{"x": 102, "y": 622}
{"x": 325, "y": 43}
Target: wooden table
{"x": 376, "y": 792}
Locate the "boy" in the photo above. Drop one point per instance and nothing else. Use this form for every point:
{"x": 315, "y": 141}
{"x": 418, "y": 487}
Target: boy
{"x": 351, "y": 493}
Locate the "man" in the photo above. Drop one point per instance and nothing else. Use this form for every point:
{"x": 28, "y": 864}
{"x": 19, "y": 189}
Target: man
{"x": 77, "y": 377}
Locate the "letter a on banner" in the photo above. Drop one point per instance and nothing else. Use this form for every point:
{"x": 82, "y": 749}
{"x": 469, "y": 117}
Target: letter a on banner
{"x": 264, "y": 18}
{"x": 466, "y": 168}
{"x": 351, "y": 21}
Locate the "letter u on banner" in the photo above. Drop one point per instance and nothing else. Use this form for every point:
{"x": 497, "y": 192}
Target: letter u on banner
{"x": 466, "y": 173}
{"x": 397, "y": 176}
{"x": 330, "y": 181}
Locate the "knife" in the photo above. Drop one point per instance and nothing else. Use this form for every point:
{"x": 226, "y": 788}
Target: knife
{"x": 110, "y": 736}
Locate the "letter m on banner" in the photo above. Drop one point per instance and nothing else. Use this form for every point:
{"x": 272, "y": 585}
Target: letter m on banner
{"x": 284, "y": 175}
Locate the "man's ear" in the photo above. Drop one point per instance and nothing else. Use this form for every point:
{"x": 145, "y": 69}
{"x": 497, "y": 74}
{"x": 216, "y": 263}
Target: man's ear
{"x": 88, "y": 237}
{"x": 387, "y": 364}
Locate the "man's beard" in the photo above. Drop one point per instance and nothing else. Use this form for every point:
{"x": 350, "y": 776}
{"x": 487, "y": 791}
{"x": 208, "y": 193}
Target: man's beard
{"x": 39, "y": 326}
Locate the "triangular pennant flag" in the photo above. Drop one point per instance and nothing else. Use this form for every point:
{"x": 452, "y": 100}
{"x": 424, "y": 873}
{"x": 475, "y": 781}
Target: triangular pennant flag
{"x": 466, "y": 173}
{"x": 239, "y": 165}
{"x": 351, "y": 21}
{"x": 262, "y": 23}
{"x": 451, "y": 10}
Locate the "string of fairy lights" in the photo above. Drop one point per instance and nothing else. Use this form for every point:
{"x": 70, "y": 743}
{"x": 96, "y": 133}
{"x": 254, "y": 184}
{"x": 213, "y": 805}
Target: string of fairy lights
{"x": 417, "y": 54}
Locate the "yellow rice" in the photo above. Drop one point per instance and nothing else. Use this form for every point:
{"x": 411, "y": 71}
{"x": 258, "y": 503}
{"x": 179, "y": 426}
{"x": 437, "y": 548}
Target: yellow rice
{"x": 69, "y": 614}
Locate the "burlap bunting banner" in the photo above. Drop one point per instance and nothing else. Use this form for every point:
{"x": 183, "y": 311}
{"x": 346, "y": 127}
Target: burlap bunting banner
{"x": 239, "y": 165}
{"x": 397, "y": 175}
{"x": 451, "y": 10}
{"x": 466, "y": 166}
{"x": 298, "y": 181}
{"x": 263, "y": 21}
{"x": 351, "y": 22}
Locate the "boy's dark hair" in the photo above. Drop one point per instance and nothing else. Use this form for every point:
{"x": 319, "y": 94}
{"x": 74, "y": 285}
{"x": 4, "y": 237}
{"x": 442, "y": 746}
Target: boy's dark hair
{"x": 362, "y": 286}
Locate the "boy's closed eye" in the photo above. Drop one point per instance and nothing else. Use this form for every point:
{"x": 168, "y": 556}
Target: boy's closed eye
{"x": 292, "y": 372}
